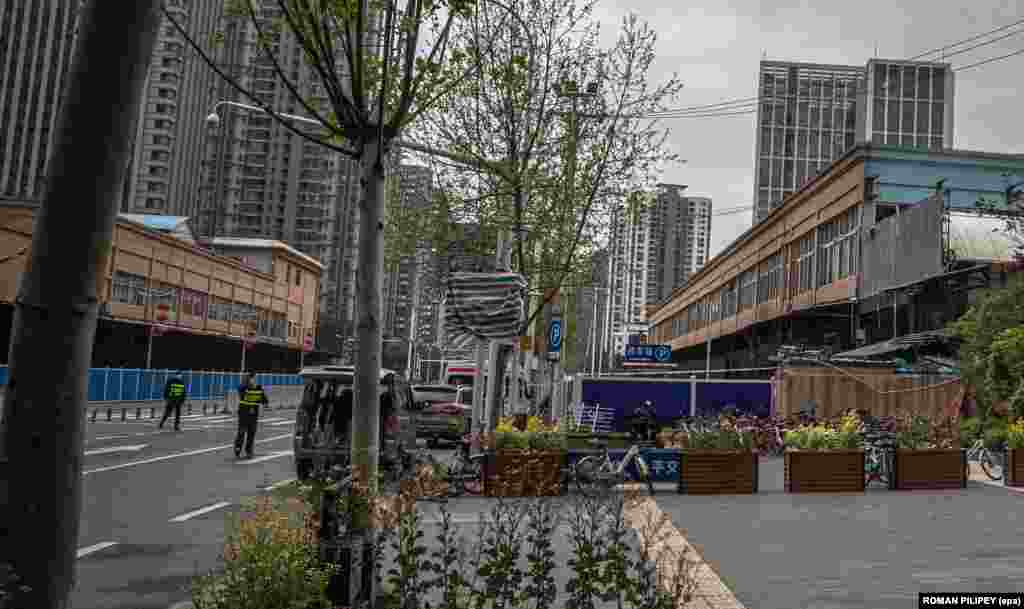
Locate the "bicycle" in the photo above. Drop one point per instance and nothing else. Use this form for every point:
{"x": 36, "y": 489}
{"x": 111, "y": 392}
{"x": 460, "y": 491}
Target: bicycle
{"x": 465, "y": 472}
{"x": 594, "y": 471}
{"x": 991, "y": 462}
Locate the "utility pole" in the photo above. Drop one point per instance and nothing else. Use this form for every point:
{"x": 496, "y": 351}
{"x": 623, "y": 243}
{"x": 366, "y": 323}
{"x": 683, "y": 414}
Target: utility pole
{"x": 57, "y": 307}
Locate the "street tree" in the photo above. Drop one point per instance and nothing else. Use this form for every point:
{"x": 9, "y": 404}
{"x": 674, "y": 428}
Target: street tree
{"x": 380, "y": 64}
{"x": 562, "y": 129}
{"x": 57, "y": 307}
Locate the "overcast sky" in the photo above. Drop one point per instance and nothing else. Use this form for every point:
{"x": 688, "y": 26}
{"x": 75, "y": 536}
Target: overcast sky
{"x": 715, "y": 46}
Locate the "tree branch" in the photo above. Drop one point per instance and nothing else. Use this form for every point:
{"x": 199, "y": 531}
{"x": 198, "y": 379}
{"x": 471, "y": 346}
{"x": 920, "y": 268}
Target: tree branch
{"x": 256, "y": 101}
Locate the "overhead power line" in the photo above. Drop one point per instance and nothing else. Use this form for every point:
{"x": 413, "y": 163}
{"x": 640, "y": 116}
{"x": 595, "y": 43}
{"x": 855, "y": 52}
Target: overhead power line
{"x": 748, "y": 105}
{"x": 966, "y": 40}
{"x": 989, "y": 60}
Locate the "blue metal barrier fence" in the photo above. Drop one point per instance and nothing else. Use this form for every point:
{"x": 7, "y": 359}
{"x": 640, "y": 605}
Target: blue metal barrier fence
{"x": 138, "y": 385}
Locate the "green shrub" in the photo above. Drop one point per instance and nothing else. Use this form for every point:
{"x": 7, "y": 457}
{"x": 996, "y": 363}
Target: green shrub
{"x": 970, "y": 429}
{"x": 270, "y": 561}
{"x": 721, "y": 439}
{"x": 914, "y": 433}
{"x": 820, "y": 437}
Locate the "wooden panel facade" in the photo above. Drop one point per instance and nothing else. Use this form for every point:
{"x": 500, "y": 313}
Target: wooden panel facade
{"x": 879, "y": 391}
{"x": 771, "y": 253}
{"x": 193, "y": 278}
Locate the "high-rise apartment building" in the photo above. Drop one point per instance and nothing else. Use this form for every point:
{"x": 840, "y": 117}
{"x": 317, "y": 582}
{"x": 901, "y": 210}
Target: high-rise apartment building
{"x": 36, "y": 49}
{"x": 263, "y": 180}
{"x": 810, "y": 114}
{"x": 170, "y": 142}
{"x": 406, "y": 283}
{"x": 657, "y": 241}
{"x": 36, "y": 44}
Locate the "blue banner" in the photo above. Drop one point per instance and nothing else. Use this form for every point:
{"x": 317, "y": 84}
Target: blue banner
{"x": 754, "y": 399}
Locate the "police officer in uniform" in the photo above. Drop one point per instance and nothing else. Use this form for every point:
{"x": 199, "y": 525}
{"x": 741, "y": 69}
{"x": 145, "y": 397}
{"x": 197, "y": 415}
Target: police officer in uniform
{"x": 174, "y": 394}
{"x": 250, "y": 397}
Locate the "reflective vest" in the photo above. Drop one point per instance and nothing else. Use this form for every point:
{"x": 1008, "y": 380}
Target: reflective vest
{"x": 251, "y": 398}
{"x": 175, "y": 391}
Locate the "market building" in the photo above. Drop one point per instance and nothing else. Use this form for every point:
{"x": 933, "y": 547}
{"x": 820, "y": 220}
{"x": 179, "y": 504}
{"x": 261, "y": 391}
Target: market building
{"x": 169, "y": 301}
{"x": 886, "y": 244}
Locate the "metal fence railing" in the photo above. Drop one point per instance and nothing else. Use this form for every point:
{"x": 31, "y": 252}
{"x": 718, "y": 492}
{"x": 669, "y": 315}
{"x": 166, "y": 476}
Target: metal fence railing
{"x": 139, "y": 385}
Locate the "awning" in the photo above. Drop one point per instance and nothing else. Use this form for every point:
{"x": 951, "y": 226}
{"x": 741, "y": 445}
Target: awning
{"x": 900, "y": 343}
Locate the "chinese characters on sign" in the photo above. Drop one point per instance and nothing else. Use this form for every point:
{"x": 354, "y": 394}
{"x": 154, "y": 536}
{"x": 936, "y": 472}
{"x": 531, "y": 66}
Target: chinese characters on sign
{"x": 648, "y": 353}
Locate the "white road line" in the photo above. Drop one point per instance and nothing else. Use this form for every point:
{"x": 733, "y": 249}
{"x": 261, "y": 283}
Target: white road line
{"x": 177, "y": 455}
{"x": 97, "y": 439}
{"x": 200, "y": 511}
{"x": 1012, "y": 489}
{"x": 284, "y": 453}
{"x": 115, "y": 449}
{"x": 282, "y": 423}
{"x": 96, "y": 547}
{"x": 277, "y": 485}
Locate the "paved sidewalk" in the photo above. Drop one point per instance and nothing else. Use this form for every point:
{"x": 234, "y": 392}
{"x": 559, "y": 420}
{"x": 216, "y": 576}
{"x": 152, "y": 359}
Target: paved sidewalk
{"x": 873, "y": 550}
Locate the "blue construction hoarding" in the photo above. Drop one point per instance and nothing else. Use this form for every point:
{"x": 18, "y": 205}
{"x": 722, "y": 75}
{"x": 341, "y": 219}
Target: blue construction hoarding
{"x": 672, "y": 399}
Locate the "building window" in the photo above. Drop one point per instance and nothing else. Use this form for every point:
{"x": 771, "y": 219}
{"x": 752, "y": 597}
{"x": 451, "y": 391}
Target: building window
{"x": 128, "y": 288}
{"x": 747, "y": 280}
{"x": 298, "y": 277}
{"x": 193, "y": 303}
{"x": 164, "y": 294}
{"x": 804, "y": 271}
{"x": 220, "y": 309}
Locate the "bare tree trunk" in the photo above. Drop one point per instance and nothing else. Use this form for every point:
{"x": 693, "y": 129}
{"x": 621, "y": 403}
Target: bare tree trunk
{"x": 369, "y": 338}
{"x": 57, "y": 306}
{"x": 495, "y": 384}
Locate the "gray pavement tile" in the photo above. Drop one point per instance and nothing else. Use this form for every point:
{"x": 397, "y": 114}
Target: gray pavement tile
{"x": 866, "y": 551}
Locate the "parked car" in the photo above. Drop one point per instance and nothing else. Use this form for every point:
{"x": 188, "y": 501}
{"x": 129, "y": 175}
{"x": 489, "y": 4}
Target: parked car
{"x": 443, "y": 412}
{"x": 323, "y": 422}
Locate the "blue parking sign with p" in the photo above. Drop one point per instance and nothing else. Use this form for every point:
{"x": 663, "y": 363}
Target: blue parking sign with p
{"x": 555, "y": 336}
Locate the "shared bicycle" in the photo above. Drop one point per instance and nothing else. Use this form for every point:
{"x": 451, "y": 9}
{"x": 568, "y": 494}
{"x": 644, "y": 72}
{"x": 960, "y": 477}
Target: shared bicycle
{"x": 595, "y": 473}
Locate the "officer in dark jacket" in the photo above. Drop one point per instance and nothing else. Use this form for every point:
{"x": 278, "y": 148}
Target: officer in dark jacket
{"x": 174, "y": 394}
{"x": 250, "y": 397}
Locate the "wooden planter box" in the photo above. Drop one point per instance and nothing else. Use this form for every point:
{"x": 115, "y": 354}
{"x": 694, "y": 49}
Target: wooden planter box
{"x": 1014, "y": 474}
{"x": 824, "y": 471}
{"x": 929, "y": 469}
{"x": 523, "y": 473}
{"x": 581, "y": 441}
{"x": 717, "y": 472}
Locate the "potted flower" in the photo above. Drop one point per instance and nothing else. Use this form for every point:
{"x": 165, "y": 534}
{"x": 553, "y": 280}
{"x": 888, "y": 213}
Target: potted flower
{"x": 1014, "y": 471}
{"x": 524, "y": 463}
{"x": 927, "y": 456}
{"x": 720, "y": 461}
{"x": 825, "y": 459}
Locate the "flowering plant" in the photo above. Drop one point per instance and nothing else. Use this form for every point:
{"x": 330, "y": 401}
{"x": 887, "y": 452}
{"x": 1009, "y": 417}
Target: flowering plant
{"x": 538, "y": 435}
{"x": 1015, "y": 434}
{"x": 844, "y": 436}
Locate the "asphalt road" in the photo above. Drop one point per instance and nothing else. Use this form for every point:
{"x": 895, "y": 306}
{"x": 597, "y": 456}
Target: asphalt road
{"x": 875, "y": 550}
{"x": 142, "y": 537}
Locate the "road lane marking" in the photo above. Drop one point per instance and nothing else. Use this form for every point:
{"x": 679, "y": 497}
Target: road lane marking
{"x": 200, "y": 511}
{"x": 999, "y": 485}
{"x": 177, "y": 455}
{"x": 282, "y": 423}
{"x": 278, "y": 455}
{"x": 277, "y": 485}
{"x": 115, "y": 449}
{"x": 96, "y": 547}
{"x": 121, "y": 437}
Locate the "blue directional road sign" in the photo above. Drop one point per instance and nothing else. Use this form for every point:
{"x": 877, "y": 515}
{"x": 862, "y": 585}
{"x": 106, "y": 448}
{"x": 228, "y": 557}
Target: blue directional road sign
{"x": 648, "y": 354}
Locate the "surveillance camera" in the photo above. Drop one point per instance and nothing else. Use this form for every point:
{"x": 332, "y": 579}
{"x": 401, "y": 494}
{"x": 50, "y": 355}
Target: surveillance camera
{"x": 213, "y": 119}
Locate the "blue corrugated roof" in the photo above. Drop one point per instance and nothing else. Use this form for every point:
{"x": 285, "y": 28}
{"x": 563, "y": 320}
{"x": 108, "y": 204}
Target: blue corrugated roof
{"x": 156, "y": 222}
